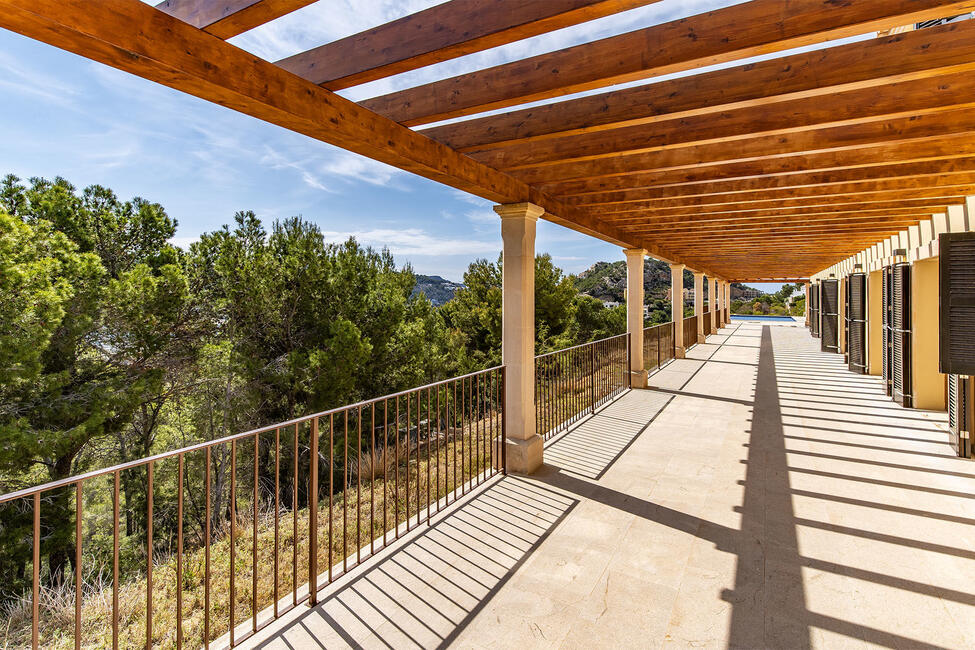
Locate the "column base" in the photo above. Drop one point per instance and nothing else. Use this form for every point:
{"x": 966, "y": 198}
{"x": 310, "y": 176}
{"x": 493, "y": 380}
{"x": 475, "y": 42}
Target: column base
{"x": 638, "y": 379}
{"x": 525, "y": 456}
{"x": 679, "y": 353}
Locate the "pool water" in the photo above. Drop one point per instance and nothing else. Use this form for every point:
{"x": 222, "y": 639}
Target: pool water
{"x": 782, "y": 318}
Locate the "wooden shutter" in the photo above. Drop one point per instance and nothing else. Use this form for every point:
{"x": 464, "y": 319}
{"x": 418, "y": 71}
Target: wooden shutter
{"x": 957, "y": 303}
{"x": 960, "y": 415}
{"x": 814, "y": 309}
{"x": 856, "y": 292}
{"x": 901, "y": 333}
{"x": 888, "y": 343}
{"x": 829, "y": 307}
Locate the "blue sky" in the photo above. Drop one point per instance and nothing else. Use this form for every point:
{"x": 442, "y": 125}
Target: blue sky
{"x": 64, "y": 115}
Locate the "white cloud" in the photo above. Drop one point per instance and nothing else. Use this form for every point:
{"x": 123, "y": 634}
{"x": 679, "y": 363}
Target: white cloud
{"x": 183, "y": 242}
{"x": 416, "y": 242}
{"x": 469, "y": 198}
{"x": 15, "y": 76}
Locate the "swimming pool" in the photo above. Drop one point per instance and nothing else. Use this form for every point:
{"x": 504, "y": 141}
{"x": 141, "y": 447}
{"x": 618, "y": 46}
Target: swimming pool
{"x": 781, "y": 318}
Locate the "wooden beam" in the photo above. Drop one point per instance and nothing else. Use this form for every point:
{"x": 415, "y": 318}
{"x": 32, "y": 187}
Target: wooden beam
{"x": 228, "y": 18}
{"x": 906, "y": 177}
{"x": 676, "y": 233}
{"x": 763, "y": 147}
{"x": 442, "y": 32}
{"x": 798, "y": 164}
{"x": 929, "y": 52}
{"x": 771, "y": 218}
{"x": 895, "y": 101}
{"x": 858, "y": 194}
{"x": 810, "y": 206}
{"x": 137, "y": 38}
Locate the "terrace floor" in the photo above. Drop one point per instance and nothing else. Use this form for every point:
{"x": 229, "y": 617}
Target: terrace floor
{"x": 760, "y": 496}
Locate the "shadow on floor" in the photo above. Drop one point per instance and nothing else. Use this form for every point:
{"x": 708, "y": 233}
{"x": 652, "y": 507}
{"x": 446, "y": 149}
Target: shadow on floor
{"x": 423, "y": 592}
{"x": 427, "y": 590}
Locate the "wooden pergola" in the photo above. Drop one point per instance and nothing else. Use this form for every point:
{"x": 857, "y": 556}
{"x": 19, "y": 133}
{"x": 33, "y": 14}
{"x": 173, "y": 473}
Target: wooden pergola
{"x": 767, "y": 170}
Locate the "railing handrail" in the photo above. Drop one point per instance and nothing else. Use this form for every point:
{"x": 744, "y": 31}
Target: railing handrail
{"x": 132, "y": 464}
{"x": 581, "y": 345}
{"x": 650, "y": 327}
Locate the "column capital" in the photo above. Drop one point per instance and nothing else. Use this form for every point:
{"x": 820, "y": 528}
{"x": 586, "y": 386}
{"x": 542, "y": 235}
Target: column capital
{"x": 699, "y": 274}
{"x": 522, "y": 210}
{"x": 630, "y": 252}
{"x": 677, "y": 267}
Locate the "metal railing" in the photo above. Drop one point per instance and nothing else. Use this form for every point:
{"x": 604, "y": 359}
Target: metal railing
{"x": 690, "y": 331}
{"x": 658, "y": 345}
{"x": 572, "y": 383}
{"x": 707, "y": 323}
{"x": 373, "y": 470}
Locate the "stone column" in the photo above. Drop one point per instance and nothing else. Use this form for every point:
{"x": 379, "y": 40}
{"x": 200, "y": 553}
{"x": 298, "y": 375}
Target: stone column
{"x": 634, "y": 314}
{"x": 726, "y": 302}
{"x": 805, "y": 309}
{"x": 719, "y": 302}
{"x": 699, "y": 304}
{"x": 524, "y": 445}
{"x": 713, "y": 303}
{"x": 677, "y": 307}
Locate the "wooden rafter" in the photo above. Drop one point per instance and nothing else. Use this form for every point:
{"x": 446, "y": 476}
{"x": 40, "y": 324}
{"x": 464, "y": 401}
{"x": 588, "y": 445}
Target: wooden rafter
{"x": 873, "y": 63}
{"x": 806, "y": 206}
{"x": 914, "y": 175}
{"x": 777, "y": 168}
{"x": 925, "y": 150}
{"x": 735, "y": 32}
{"x": 440, "y": 33}
{"x": 843, "y": 194}
{"x": 228, "y": 18}
{"x": 137, "y": 38}
{"x": 880, "y": 105}
{"x": 952, "y": 124}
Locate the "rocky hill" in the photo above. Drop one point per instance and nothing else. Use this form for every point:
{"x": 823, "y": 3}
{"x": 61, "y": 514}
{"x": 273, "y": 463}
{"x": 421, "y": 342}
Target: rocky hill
{"x": 607, "y": 281}
{"x": 438, "y": 290}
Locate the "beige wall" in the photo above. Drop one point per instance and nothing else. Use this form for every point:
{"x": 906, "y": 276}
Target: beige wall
{"x": 875, "y": 323}
{"x": 929, "y": 386}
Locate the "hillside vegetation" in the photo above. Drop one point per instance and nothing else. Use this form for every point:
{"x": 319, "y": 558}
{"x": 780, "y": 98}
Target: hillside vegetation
{"x": 115, "y": 345}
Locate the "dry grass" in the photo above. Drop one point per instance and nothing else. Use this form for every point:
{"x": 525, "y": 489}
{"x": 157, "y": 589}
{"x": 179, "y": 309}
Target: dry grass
{"x": 350, "y": 526}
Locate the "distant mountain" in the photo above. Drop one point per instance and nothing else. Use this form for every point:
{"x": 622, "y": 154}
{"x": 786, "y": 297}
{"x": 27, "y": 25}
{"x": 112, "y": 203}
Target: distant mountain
{"x": 438, "y": 290}
{"x": 607, "y": 281}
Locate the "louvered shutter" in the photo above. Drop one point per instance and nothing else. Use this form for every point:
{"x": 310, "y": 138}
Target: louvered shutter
{"x": 857, "y": 322}
{"x": 901, "y": 333}
{"x": 888, "y": 343}
{"x": 829, "y": 314}
{"x": 960, "y": 414}
{"x": 957, "y": 302}
{"x": 814, "y": 309}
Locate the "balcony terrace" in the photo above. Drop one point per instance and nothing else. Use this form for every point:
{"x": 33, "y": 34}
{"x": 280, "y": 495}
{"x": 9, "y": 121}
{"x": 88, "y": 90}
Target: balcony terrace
{"x": 760, "y": 495}
{"x": 760, "y": 488}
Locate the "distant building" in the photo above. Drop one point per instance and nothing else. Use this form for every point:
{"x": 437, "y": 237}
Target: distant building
{"x": 748, "y": 293}
{"x": 609, "y": 304}
{"x": 926, "y": 23}
{"x": 945, "y": 21}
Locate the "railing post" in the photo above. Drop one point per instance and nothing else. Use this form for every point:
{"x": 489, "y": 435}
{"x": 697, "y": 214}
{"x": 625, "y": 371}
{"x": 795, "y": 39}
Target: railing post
{"x": 504, "y": 422}
{"x": 313, "y": 517}
{"x": 592, "y": 378}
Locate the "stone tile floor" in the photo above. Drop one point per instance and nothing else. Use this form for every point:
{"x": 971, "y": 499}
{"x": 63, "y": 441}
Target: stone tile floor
{"x": 761, "y": 496}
